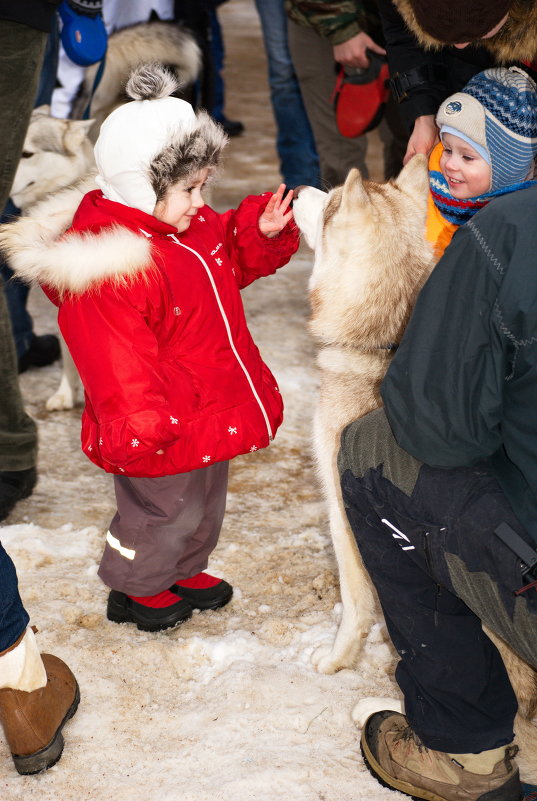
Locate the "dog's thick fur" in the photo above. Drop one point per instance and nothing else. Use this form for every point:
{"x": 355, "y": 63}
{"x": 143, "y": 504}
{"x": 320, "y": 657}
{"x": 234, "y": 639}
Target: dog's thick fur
{"x": 371, "y": 259}
{"x": 56, "y": 153}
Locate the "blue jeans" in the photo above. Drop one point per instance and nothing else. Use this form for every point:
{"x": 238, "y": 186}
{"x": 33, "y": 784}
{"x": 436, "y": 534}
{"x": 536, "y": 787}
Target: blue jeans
{"x": 13, "y": 616}
{"x": 299, "y": 163}
{"x": 16, "y": 297}
{"x": 218, "y": 55}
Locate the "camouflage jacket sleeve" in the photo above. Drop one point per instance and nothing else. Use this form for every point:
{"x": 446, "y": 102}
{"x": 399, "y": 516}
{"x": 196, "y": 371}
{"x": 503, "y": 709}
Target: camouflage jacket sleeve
{"x": 336, "y": 21}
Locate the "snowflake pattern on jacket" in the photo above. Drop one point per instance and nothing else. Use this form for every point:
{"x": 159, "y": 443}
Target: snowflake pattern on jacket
{"x": 155, "y": 324}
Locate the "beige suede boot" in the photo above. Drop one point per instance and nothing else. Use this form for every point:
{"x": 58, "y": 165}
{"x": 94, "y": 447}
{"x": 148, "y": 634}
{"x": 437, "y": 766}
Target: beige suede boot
{"x": 399, "y": 760}
{"x": 38, "y": 695}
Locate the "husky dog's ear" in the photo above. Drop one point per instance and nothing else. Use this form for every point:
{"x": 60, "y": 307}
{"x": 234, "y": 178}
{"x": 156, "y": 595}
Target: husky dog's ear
{"x": 414, "y": 177}
{"x": 75, "y": 134}
{"x": 354, "y": 193}
{"x": 41, "y": 111}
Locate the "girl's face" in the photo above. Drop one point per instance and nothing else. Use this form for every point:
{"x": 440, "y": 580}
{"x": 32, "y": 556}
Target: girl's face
{"x": 467, "y": 173}
{"x": 182, "y": 201}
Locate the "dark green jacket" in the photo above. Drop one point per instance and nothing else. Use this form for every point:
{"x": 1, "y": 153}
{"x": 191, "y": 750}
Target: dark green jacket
{"x": 463, "y": 384}
{"x": 337, "y": 21}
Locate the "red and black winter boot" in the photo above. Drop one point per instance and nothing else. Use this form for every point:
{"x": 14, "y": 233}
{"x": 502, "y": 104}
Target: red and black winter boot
{"x": 204, "y": 591}
{"x": 149, "y": 612}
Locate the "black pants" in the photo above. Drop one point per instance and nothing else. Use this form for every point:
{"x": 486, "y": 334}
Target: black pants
{"x": 426, "y": 538}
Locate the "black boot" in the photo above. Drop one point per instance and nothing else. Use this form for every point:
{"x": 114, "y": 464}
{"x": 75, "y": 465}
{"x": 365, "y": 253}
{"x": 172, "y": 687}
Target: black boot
{"x": 43, "y": 350}
{"x": 14, "y": 486}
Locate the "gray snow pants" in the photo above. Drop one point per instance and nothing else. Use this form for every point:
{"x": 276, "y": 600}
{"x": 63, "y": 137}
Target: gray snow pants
{"x": 164, "y": 529}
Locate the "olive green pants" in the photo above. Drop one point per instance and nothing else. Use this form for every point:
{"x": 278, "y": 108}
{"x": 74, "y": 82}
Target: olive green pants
{"x": 21, "y": 56}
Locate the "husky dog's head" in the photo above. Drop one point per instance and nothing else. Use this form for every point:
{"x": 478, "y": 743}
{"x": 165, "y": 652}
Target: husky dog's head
{"x": 56, "y": 153}
{"x": 371, "y": 257}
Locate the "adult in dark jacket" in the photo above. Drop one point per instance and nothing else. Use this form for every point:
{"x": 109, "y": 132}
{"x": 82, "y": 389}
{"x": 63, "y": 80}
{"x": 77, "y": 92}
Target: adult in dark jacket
{"x": 434, "y": 49}
{"x": 426, "y": 483}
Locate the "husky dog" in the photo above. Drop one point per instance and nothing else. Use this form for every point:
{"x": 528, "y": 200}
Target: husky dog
{"x": 58, "y": 153}
{"x": 371, "y": 260}
{"x": 164, "y": 42}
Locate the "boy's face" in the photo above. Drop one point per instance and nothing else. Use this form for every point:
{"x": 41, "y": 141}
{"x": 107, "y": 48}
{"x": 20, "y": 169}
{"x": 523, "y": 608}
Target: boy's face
{"x": 182, "y": 201}
{"x": 467, "y": 173}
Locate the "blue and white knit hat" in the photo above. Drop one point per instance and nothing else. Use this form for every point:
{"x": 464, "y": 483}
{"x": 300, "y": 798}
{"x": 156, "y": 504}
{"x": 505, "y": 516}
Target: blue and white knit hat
{"x": 496, "y": 113}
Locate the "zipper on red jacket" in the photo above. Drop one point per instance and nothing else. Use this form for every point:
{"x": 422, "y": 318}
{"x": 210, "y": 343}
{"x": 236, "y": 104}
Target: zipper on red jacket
{"x": 228, "y": 331}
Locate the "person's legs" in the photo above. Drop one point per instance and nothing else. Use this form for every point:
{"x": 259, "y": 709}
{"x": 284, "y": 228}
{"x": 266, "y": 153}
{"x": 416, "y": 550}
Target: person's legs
{"x": 37, "y": 695}
{"x": 44, "y": 349}
{"x": 21, "y": 55}
{"x": 426, "y": 537}
{"x": 13, "y": 616}
{"x": 16, "y": 296}
{"x": 299, "y": 163}
{"x": 315, "y": 69}
{"x": 164, "y": 529}
{"x": 18, "y": 432}
{"x": 49, "y": 70}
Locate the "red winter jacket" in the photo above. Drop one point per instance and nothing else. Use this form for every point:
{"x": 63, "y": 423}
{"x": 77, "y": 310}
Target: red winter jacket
{"x": 156, "y": 327}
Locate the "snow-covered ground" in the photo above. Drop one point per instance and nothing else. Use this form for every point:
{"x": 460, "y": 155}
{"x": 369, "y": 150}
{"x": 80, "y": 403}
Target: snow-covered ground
{"x": 227, "y": 707}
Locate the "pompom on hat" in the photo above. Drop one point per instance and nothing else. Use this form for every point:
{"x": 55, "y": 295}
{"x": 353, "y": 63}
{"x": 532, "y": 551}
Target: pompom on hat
{"x": 496, "y": 113}
{"x": 459, "y": 21}
{"x": 153, "y": 141}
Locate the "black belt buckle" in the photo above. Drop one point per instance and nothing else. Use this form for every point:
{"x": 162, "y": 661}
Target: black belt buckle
{"x": 520, "y": 547}
{"x": 399, "y": 85}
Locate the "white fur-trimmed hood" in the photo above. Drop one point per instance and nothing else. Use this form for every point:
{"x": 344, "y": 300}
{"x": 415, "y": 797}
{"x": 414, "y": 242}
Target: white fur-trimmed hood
{"x": 38, "y": 253}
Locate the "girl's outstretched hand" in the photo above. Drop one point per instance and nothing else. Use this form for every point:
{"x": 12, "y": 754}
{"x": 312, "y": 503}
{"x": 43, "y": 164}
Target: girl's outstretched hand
{"x": 275, "y": 217}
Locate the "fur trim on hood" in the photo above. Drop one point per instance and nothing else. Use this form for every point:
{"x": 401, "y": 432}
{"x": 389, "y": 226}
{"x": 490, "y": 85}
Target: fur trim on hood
{"x": 38, "y": 253}
{"x": 515, "y": 41}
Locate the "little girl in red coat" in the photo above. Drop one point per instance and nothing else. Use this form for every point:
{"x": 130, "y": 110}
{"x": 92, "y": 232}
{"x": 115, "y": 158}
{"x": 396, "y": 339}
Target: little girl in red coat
{"x": 148, "y": 279}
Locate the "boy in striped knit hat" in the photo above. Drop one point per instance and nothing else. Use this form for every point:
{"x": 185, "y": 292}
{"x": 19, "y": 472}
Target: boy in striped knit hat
{"x": 488, "y": 144}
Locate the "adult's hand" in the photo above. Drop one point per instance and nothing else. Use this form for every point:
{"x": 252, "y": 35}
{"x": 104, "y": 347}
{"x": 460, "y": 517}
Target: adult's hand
{"x": 352, "y": 53}
{"x": 423, "y": 138}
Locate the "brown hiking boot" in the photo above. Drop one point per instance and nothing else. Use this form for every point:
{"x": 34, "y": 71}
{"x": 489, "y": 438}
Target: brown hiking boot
{"x": 33, "y": 721}
{"x": 398, "y": 759}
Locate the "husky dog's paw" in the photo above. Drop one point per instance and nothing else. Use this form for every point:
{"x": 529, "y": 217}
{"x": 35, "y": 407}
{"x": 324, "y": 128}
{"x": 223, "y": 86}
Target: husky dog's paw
{"x": 60, "y": 401}
{"x": 63, "y": 398}
{"x": 325, "y": 660}
{"x": 368, "y": 706}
